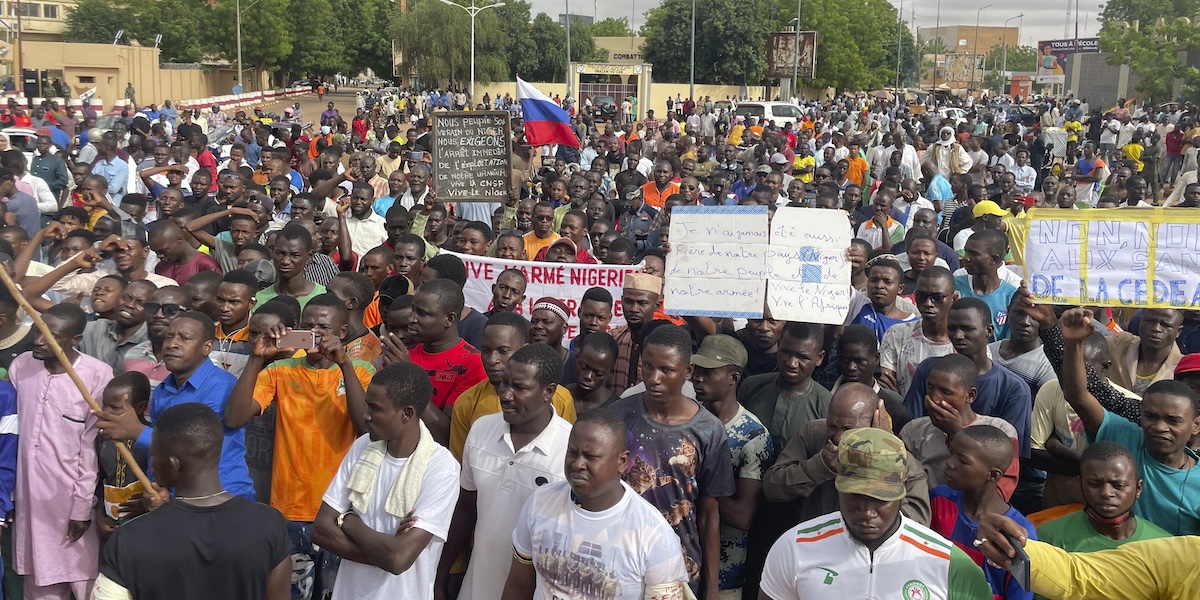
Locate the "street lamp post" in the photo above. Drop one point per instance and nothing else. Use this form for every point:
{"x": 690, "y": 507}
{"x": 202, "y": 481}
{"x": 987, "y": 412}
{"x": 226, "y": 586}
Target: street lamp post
{"x": 475, "y": 10}
{"x": 975, "y": 52}
{"x": 796, "y": 53}
{"x": 238, "y": 9}
{"x": 692, "y": 80}
{"x": 1004, "y": 51}
{"x": 567, "y": 24}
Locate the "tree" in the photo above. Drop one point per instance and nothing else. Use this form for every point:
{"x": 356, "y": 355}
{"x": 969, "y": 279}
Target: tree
{"x": 1149, "y": 36}
{"x": 97, "y": 22}
{"x": 267, "y": 35}
{"x": 94, "y": 22}
{"x": 312, "y": 54}
{"x": 610, "y": 27}
{"x": 521, "y": 50}
{"x": 856, "y": 41}
{"x": 1019, "y": 58}
{"x": 436, "y": 40}
{"x": 550, "y": 41}
{"x": 728, "y": 51}
{"x": 363, "y": 32}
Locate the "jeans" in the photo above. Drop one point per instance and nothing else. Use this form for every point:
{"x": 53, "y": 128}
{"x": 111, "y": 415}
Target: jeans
{"x": 1171, "y": 168}
{"x": 313, "y": 568}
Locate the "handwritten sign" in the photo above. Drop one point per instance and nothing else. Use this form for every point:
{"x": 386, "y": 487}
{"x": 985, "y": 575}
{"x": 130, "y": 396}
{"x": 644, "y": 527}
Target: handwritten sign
{"x": 808, "y": 275}
{"x": 471, "y": 162}
{"x": 1143, "y": 258}
{"x": 717, "y": 262}
{"x": 567, "y": 282}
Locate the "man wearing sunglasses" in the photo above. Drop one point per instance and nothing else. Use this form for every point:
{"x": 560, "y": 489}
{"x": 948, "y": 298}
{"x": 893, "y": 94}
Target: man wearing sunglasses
{"x": 905, "y": 345}
{"x": 146, "y": 358}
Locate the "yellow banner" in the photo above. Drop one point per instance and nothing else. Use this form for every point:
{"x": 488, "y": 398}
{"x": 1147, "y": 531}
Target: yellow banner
{"x": 1125, "y": 257}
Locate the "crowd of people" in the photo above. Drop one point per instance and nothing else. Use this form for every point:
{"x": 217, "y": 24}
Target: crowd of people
{"x": 276, "y": 329}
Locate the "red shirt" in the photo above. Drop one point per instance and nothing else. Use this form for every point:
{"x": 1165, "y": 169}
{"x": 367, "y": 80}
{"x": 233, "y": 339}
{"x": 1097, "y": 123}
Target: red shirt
{"x": 452, "y": 372}
{"x": 206, "y": 160}
{"x": 184, "y": 271}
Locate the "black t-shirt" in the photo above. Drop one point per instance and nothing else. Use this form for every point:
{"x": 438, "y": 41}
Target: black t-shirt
{"x": 185, "y": 552}
{"x": 186, "y": 131}
{"x": 758, "y": 362}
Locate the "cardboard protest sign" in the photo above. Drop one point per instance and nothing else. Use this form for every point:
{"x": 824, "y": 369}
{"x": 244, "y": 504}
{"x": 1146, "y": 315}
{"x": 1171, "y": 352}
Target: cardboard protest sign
{"x": 1142, "y": 258}
{"x": 717, "y": 263}
{"x": 808, "y": 275}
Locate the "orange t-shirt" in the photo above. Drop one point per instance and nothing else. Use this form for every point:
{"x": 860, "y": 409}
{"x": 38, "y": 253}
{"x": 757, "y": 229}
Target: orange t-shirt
{"x": 371, "y": 316}
{"x": 655, "y": 198}
{"x": 313, "y": 431}
{"x": 858, "y": 170}
{"x": 534, "y": 244}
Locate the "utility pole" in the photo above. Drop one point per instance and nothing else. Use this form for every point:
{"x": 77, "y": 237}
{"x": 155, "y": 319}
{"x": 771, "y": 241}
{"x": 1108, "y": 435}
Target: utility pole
{"x": 796, "y": 54}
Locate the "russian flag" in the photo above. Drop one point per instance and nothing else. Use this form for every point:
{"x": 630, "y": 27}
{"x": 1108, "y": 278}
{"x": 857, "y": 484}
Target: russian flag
{"x": 546, "y": 123}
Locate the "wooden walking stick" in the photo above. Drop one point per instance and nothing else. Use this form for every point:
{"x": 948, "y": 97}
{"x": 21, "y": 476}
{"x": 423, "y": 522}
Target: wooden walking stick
{"x": 62, "y": 359}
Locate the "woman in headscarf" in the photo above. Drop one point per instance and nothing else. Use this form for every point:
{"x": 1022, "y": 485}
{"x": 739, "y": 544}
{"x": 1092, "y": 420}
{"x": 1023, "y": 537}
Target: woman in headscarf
{"x": 946, "y": 155}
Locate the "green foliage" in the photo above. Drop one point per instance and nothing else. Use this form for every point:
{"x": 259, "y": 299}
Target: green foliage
{"x": 856, "y": 41}
{"x": 1020, "y": 58}
{"x": 728, "y": 50}
{"x": 521, "y": 50}
{"x": 267, "y": 35}
{"x": 1146, "y": 35}
{"x": 550, "y": 45}
{"x": 445, "y": 57}
{"x": 363, "y": 31}
{"x": 609, "y": 27}
{"x": 94, "y": 22}
{"x": 97, "y": 22}
{"x": 312, "y": 54}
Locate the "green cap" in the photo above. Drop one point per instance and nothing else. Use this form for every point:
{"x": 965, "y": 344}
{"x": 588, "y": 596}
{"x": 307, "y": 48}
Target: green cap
{"x": 872, "y": 462}
{"x": 718, "y": 351}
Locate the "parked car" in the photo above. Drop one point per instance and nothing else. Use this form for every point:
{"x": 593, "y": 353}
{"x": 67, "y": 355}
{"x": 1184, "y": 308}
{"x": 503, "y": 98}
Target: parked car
{"x": 604, "y": 107}
{"x": 956, "y": 116}
{"x": 1025, "y": 114}
{"x": 779, "y": 112}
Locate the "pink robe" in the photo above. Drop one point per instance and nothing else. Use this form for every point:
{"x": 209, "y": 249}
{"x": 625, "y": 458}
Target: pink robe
{"x": 56, "y": 470}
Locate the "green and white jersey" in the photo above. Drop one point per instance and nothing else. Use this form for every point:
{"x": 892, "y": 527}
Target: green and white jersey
{"x": 819, "y": 559}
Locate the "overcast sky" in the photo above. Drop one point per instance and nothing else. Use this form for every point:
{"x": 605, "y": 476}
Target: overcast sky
{"x": 1044, "y": 20}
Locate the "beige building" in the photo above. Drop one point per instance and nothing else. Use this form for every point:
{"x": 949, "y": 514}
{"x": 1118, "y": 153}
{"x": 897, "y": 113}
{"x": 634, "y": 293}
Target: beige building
{"x": 40, "y": 21}
{"x": 962, "y": 66}
{"x": 621, "y": 50}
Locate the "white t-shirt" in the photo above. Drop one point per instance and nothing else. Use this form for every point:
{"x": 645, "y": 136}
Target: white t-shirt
{"x": 433, "y": 509}
{"x": 612, "y": 554}
{"x": 904, "y": 347}
{"x": 503, "y": 480}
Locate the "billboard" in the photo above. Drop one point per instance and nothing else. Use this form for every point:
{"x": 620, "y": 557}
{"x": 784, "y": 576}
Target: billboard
{"x": 1052, "y": 57}
{"x": 963, "y": 68}
{"x": 781, "y": 55}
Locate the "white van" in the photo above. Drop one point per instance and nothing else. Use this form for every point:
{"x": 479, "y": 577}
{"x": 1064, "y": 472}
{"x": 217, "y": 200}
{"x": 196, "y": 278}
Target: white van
{"x": 779, "y": 112}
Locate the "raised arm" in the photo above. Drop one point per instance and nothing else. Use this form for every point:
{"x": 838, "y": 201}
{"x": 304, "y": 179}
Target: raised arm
{"x": 1076, "y": 326}
{"x": 345, "y": 249}
{"x": 1054, "y": 345}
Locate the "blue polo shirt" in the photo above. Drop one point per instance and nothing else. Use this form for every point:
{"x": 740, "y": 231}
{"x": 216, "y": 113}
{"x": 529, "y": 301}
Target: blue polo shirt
{"x": 209, "y": 386}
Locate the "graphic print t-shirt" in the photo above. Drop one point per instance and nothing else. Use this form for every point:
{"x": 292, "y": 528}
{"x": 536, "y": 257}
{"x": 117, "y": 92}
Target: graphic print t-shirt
{"x": 674, "y": 466}
{"x": 452, "y": 372}
{"x": 607, "y": 555}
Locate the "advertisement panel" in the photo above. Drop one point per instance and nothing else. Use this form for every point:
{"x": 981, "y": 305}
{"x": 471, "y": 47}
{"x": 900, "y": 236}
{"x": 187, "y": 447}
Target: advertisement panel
{"x": 1052, "y": 57}
{"x": 781, "y": 54}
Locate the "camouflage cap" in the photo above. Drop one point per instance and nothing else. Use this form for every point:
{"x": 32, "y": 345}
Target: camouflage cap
{"x": 872, "y": 462}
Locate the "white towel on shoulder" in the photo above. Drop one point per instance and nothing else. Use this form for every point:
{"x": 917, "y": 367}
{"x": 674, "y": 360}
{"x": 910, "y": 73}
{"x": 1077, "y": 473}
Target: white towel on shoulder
{"x": 403, "y": 495}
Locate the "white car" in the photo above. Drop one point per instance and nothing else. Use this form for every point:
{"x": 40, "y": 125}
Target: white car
{"x": 955, "y": 115}
{"x": 779, "y": 112}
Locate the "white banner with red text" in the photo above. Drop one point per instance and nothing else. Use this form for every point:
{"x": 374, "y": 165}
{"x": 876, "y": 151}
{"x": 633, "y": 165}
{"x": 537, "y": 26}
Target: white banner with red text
{"x": 567, "y": 282}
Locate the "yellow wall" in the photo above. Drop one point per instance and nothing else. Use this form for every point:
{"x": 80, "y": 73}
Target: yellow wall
{"x": 111, "y": 67}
